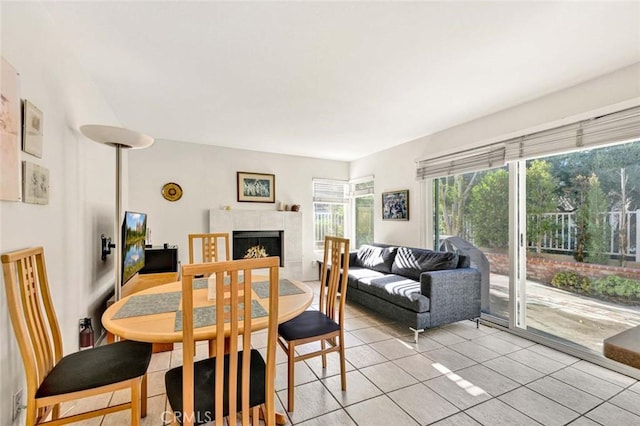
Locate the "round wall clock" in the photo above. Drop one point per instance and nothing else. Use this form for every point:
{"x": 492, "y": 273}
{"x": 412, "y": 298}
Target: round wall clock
{"x": 172, "y": 191}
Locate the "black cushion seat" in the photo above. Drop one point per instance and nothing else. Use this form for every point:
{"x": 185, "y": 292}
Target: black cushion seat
{"x": 410, "y": 262}
{"x": 307, "y": 324}
{"x": 375, "y": 258}
{"x": 400, "y": 290}
{"x": 357, "y": 273}
{"x": 205, "y": 382}
{"x": 97, "y": 367}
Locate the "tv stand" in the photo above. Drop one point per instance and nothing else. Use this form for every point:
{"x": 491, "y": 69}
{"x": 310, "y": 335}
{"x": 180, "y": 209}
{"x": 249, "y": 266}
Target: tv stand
{"x": 158, "y": 259}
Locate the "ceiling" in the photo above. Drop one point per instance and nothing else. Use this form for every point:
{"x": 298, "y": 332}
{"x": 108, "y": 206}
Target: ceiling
{"x": 336, "y": 80}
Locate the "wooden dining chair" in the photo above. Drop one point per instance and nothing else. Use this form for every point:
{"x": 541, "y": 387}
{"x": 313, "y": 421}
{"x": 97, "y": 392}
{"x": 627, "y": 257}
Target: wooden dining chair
{"x": 51, "y": 378}
{"x": 205, "y": 248}
{"x": 236, "y": 379}
{"x": 208, "y": 245}
{"x": 322, "y": 325}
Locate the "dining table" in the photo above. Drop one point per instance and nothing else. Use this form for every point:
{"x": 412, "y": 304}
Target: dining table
{"x": 153, "y": 315}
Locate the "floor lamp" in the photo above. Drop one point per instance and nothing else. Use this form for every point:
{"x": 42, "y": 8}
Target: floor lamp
{"x": 120, "y": 139}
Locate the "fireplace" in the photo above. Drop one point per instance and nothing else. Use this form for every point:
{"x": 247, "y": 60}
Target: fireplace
{"x": 260, "y": 243}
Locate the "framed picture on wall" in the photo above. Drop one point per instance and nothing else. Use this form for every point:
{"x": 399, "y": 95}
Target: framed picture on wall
{"x": 36, "y": 183}
{"x": 256, "y": 187}
{"x": 395, "y": 205}
{"x": 32, "y": 129}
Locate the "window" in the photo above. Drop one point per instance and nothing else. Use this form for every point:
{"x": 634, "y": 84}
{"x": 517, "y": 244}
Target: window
{"x": 363, "y": 215}
{"x": 462, "y": 202}
{"x": 330, "y": 201}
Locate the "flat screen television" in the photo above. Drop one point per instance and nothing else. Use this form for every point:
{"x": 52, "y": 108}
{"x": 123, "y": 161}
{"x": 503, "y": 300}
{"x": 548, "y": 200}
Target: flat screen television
{"x": 134, "y": 231}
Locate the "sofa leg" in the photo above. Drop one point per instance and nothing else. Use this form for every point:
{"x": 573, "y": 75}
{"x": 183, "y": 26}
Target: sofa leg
{"x": 476, "y": 320}
{"x": 416, "y": 332}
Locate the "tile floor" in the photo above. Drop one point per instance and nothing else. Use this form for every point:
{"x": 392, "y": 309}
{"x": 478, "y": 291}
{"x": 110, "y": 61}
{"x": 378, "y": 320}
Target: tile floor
{"x": 454, "y": 375}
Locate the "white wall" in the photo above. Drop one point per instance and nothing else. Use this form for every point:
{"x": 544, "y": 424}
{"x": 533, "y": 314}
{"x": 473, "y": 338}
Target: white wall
{"x": 207, "y": 175}
{"x": 82, "y": 185}
{"x": 395, "y": 168}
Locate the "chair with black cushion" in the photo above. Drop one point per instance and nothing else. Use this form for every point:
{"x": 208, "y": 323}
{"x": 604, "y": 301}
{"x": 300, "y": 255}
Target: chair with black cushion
{"x": 207, "y": 246}
{"x": 323, "y": 325}
{"x": 204, "y": 248}
{"x": 51, "y": 378}
{"x": 236, "y": 379}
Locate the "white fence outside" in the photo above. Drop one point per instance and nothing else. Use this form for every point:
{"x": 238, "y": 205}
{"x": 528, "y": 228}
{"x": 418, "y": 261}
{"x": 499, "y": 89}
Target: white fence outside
{"x": 326, "y": 223}
{"x": 564, "y": 237}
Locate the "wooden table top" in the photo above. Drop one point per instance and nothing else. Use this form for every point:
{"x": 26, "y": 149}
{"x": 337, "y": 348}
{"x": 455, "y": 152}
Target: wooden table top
{"x": 160, "y": 328}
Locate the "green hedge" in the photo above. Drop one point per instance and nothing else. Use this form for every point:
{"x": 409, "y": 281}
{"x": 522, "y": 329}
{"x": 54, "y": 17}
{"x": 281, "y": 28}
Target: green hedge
{"x": 617, "y": 286}
{"x": 570, "y": 280}
{"x": 609, "y": 286}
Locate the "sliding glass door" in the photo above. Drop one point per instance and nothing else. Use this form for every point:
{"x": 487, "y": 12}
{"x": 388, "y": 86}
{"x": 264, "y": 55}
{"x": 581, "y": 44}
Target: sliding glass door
{"x": 472, "y": 209}
{"x": 582, "y": 259}
{"x": 560, "y": 238}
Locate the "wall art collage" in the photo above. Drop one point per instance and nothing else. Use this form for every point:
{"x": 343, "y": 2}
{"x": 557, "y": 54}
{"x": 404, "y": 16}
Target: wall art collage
{"x": 21, "y": 126}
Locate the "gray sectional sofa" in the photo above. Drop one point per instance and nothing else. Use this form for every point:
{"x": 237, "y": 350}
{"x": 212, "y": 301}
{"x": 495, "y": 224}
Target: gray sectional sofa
{"x": 419, "y": 287}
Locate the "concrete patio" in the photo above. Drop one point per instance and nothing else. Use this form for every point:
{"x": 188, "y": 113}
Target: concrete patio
{"x": 583, "y": 320}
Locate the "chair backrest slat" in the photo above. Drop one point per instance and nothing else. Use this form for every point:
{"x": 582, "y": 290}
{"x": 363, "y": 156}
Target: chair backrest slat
{"x": 335, "y": 268}
{"x": 209, "y": 247}
{"x": 220, "y": 344}
{"x": 32, "y": 314}
{"x": 247, "y": 324}
{"x": 233, "y": 323}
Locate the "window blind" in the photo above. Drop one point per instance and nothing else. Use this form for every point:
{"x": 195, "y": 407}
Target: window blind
{"x": 617, "y": 127}
{"x": 622, "y": 126}
{"x": 363, "y": 186}
{"x": 470, "y": 160}
{"x": 330, "y": 191}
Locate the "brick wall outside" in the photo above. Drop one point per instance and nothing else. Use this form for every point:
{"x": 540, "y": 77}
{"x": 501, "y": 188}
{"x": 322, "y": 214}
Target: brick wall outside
{"x": 543, "y": 269}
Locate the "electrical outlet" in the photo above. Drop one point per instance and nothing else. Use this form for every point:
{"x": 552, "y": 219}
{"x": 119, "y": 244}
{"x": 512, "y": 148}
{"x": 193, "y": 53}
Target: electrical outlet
{"x": 17, "y": 405}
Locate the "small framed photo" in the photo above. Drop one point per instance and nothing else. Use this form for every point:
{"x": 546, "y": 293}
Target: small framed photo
{"x": 395, "y": 205}
{"x": 36, "y": 183}
{"x": 32, "y": 129}
{"x": 256, "y": 187}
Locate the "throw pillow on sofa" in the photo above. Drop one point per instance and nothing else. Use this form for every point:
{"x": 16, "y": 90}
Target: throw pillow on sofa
{"x": 412, "y": 262}
{"x": 376, "y": 258}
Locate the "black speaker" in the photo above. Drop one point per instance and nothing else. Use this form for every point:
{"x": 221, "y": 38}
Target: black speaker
{"x": 160, "y": 259}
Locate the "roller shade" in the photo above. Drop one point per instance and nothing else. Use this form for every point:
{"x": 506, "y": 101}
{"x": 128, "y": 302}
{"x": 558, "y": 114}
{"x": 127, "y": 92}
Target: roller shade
{"x": 617, "y": 127}
{"x": 622, "y": 126}
{"x": 470, "y": 160}
{"x": 364, "y": 186}
{"x": 330, "y": 191}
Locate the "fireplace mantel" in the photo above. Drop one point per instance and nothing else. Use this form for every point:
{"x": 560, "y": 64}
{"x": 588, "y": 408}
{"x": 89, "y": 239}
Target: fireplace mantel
{"x": 265, "y": 220}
